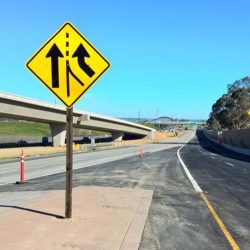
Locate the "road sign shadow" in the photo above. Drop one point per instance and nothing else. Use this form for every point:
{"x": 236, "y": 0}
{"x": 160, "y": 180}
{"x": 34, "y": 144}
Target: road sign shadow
{"x": 33, "y": 211}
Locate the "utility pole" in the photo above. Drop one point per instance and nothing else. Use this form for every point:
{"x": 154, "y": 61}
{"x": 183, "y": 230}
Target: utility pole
{"x": 157, "y": 115}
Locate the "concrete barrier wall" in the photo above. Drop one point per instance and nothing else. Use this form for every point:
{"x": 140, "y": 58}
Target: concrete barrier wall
{"x": 236, "y": 138}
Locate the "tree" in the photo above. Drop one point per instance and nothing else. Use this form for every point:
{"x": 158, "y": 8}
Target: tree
{"x": 243, "y": 83}
{"x": 240, "y": 107}
{"x": 231, "y": 110}
{"x": 213, "y": 123}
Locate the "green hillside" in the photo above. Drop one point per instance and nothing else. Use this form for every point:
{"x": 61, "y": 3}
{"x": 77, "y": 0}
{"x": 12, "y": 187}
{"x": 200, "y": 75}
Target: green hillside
{"x": 38, "y": 129}
{"x": 24, "y": 128}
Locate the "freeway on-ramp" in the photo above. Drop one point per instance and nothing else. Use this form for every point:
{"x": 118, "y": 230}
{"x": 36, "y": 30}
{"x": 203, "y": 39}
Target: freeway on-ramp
{"x": 178, "y": 217}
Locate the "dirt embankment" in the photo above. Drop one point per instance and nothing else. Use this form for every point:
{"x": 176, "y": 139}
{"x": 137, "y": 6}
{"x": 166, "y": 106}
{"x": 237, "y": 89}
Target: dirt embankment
{"x": 6, "y": 153}
{"x": 159, "y": 136}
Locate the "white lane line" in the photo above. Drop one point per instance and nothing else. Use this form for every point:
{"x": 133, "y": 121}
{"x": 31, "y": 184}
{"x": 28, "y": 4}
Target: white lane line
{"x": 146, "y": 165}
{"x": 8, "y": 171}
{"x": 191, "y": 178}
{"x": 212, "y": 157}
{"x": 230, "y": 164}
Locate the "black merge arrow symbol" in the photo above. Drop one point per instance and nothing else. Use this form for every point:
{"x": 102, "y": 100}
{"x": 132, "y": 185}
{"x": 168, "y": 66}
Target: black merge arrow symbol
{"x": 54, "y": 53}
{"x": 81, "y": 53}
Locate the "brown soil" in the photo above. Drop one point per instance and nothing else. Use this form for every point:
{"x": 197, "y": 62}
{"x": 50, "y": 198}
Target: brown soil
{"x": 29, "y": 151}
{"x": 160, "y": 136}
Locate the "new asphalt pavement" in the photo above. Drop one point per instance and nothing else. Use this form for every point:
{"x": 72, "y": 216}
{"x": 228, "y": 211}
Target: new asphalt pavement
{"x": 178, "y": 217}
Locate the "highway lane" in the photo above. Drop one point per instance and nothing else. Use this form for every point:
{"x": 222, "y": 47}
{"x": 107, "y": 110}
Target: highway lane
{"x": 178, "y": 218}
{"x": 224, "y": 177}
{"x": 37, "y": 167}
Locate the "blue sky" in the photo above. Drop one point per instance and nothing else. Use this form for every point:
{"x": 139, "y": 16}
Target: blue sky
{"x": 171, "y": 58}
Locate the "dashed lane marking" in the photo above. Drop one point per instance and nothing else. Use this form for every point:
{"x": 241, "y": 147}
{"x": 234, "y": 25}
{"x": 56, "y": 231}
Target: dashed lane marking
{"x": 230, "y": 164}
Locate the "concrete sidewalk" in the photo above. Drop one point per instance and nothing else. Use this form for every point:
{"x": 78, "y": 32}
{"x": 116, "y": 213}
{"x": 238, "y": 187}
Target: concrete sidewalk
{"x": 103, "y": 218}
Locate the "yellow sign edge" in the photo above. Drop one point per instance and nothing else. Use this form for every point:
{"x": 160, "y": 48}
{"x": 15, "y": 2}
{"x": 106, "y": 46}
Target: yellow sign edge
{"x": 47, "y": 41}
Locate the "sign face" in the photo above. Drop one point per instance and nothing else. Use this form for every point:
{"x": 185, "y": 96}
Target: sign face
{"x": 68, "y": 64}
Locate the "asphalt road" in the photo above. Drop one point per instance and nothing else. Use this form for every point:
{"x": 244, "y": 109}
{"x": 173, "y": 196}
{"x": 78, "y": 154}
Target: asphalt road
{"x": 37, "y": 166}
{"x": 178, "y": 217}
{"x": 224, "y": 177}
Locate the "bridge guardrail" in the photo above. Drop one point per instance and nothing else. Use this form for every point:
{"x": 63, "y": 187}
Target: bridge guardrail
{"x": 92, "y": 147}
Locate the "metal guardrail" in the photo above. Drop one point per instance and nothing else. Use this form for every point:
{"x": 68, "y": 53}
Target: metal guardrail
{"x": 92, "y": 147}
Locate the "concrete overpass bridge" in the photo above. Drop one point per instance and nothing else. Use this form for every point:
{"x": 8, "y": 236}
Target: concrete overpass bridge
{"x": 21, "y": 108}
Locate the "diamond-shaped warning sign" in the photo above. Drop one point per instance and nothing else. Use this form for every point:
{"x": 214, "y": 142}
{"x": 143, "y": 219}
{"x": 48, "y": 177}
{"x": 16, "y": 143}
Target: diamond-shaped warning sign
{"x": 68, "y": 64}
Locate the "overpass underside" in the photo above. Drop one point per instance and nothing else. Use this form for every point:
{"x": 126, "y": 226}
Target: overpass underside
{"x": 24, "y": 109}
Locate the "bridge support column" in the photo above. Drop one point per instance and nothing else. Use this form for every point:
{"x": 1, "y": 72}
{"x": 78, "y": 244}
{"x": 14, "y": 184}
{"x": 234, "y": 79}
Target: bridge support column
{"x": 151, "y": 135}
{"x": 58, "y": 132}
{"x": 117, "y": 136}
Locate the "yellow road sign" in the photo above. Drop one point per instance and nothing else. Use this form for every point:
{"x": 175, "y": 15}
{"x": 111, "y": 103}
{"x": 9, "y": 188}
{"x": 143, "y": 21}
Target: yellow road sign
{"x": 68, "y": 64}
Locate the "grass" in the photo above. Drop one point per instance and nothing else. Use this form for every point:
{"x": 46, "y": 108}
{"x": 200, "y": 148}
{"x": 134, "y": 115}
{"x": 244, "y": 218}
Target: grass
{"x": 150, "y": 125}
{"x": 38, "y": 129}
{"x": 24, "y": 128}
